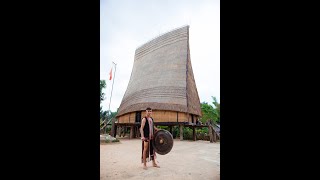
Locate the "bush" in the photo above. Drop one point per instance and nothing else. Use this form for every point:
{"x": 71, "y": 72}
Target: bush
{"x": 187, "y": 133}
{"x": 175, "y": 132}
{"x": 164, "y": 127}
{"x": 108, "y": 129}
{"x": 111, "y": 141}
{"x": 201, "y": 134}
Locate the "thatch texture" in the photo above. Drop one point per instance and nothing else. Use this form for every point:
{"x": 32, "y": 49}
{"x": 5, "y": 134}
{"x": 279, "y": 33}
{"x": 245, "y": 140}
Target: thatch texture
{"x": 162, "y": 76}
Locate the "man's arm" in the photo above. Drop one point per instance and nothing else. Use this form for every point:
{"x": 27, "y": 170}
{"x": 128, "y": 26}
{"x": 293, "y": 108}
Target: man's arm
{"x": 155, "y": 128}
{"x": 143, "y": 122}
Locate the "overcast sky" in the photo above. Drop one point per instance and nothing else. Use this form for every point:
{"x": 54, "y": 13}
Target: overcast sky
{"x": 127, "y": 24}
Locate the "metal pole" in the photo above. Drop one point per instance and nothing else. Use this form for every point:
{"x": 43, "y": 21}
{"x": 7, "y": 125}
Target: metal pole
{"x": 115, "y": 68}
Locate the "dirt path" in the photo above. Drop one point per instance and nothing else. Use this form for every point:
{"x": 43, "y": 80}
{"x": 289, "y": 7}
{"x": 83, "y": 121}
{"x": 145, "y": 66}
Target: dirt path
{"x": 187, "y": 160}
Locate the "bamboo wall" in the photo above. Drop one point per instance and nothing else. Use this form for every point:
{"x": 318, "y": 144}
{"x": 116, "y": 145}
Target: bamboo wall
{"x": 127, "y": 118}
{"x": 158, "y": 116}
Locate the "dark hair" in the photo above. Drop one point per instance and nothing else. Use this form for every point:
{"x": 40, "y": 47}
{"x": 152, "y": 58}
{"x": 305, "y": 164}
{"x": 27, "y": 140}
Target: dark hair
{"x": 148, "y": 109}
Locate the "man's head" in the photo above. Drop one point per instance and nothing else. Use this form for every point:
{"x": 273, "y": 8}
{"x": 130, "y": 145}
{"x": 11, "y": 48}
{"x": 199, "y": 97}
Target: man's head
{"x": 148, "y": 111}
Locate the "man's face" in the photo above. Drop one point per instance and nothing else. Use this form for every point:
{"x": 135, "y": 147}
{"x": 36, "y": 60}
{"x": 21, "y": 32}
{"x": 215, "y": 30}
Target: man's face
{"x": 149, "y": 112}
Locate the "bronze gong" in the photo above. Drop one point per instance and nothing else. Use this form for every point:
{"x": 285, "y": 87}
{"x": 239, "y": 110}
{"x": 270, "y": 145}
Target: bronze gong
{"x": 162, "y": 142}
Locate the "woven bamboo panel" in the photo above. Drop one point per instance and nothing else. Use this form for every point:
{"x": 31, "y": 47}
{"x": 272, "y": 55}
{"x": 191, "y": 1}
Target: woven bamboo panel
{"x": 165, "y": 116}
{"x": 132, "y": 117}
{"x": 182, "y": 117}
{"x": 124, "y": 118}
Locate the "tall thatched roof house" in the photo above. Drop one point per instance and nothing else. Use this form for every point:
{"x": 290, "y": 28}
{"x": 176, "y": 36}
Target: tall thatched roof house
{"x": 162, "y": 78}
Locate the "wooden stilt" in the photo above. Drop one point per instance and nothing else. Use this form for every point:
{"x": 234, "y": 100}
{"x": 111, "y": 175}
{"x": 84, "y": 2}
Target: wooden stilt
{"x": 194, "y": 133}
{"x": 181, "y": 132}
{"x": 131, "y": 132}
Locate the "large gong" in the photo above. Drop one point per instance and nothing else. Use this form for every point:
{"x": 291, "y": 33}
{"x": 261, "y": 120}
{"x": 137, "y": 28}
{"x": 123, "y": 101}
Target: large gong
{"x": 162, "y": 142}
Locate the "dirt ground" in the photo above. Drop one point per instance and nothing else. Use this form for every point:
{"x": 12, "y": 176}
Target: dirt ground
{"x": 187, "y": 160}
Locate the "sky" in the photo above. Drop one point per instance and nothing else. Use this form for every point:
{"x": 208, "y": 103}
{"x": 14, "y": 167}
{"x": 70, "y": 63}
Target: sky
{"x": 127, "y": 24}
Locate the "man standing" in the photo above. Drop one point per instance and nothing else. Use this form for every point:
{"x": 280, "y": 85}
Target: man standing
{"x": 147, "y": 131}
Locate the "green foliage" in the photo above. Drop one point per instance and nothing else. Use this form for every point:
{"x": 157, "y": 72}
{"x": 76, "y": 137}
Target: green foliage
{"x": 187, "y": 133}
{"x": 103, "y": 115}
{"x": 102, "y": 86}
{"x": 202, "y": 134}
{"x": 175, "y": 131}
{"x": 164, "y": 127}
{"x": 108, "y": 129}
{"x": 110, "y": 114}
{"x": 210, "y": 111}
{"x": 111, "y": 141}
{"x": 115, "y": 140}
{"x": 216, "y": 109}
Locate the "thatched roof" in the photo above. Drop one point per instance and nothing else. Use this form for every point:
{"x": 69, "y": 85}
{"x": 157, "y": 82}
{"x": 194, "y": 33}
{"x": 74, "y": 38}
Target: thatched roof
{"x": 162, "y": 76}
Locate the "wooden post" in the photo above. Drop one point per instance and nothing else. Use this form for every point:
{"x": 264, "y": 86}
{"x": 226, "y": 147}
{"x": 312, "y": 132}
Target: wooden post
{"x": 113, "y": 128}
{"x": 131, "y": 132}
{"x": 134, "y": 131}
{"x": 115, "y": 131}
{"x": 214, "y": 136}
{"x": 194, "y": 133}
{"x": 123, "y": 131}
{"x": 138, "y": 132}
{"x": 181, "y": 132}
{"x": 120, "y": 129}
{"x": 210, "y": 134}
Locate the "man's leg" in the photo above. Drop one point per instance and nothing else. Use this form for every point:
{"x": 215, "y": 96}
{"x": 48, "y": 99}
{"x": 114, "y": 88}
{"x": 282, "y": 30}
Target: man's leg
{"x": 145, "y": 148}
{"x": 152, "y": 156}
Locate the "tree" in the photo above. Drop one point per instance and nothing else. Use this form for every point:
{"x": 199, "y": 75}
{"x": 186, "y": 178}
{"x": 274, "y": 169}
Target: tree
{"x": 112, "y": 114}
{"x": 207, "y": 112}
{"x": 210, "y": 112}
{"x": 103, "y": 114}
{"x": 102, "y": 86}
